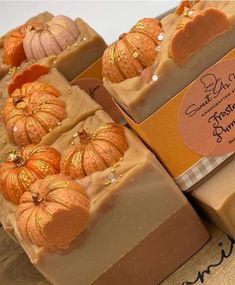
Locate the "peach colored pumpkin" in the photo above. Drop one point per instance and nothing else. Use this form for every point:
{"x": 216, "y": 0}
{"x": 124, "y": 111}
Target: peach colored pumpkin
{"x": 134, "y": 51}
{"x": 32, "y": 112}
{"x": 53, "y": 213}
{"x": 24, "y": 167}
{"x": 95, "y": 152}
{"x": 51, "y": 39}
{"x": 14, "y": 53}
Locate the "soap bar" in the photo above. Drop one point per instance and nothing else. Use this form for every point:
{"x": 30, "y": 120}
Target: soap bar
{"x": 4, "y": 68}
{"x": 139, "y": 98}
{"x": 141, "y": 227}
{"x": 78, "y": 104}
{"x": 88, "y": 47}
{"x": 215, "y": 198}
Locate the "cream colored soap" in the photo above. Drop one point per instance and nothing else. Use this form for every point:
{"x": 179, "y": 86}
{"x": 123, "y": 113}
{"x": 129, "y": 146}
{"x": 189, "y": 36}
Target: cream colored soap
{"x": 140, "y": 99}
{"x": 216, "y": 198}
{"x": 141, "y": 227}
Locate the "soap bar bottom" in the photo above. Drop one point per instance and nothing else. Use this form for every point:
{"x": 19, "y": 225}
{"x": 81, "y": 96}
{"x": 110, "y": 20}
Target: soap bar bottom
{"x": 159, "y": 254}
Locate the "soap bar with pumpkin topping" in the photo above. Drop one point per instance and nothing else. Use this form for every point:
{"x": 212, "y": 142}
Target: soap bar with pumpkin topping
{"x": 11, "y": 65}
{"x": 143, "y": 74}
{"x": 140, "y": 228}
{"x": 215, "y": 198}
{"x": 53, "y": 41}
{"x": 69, "y": 106}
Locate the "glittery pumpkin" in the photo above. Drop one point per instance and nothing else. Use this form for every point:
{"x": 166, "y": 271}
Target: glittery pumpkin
{"x": 134, "y": 51}
{"x": 185, "y": 4}
{"x": 95, "y": 152}
{"x": 53, "y": 213}
{"x": 51, "y": 39}
{"x": 32, "y": 111}
{"x": 24, "y": 167}
{"x": 14, "y": 53}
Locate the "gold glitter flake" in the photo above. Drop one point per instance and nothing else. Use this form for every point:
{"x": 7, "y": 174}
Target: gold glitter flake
{"x": 135, "y": 54}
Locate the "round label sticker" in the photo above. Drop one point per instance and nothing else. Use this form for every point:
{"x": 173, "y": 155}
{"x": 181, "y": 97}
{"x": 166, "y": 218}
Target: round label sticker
{"x": 206, "y": 119}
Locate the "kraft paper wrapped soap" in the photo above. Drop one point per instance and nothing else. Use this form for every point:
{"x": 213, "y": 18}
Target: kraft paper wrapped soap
{"x": 150, "y": 73}
{"x": 138, "y": 218}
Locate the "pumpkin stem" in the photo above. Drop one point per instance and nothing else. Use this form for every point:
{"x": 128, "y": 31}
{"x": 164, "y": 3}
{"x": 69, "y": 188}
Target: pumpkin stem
{"x": 37, "y": 26}
{"x": 17, "y": 99}
{"x": 85, "y": 138}
{"x": 13, "y": 157}
{"x": 122, "y": 36}
{"x": 37, "y": 199}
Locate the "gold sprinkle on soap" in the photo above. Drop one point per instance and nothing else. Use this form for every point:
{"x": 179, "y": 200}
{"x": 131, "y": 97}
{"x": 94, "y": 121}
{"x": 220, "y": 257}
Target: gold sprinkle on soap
{"x": 135, "y": 54}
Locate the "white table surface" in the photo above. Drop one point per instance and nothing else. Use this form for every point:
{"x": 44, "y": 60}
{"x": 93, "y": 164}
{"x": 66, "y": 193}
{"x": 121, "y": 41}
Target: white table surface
{"x": 108, "y": 18}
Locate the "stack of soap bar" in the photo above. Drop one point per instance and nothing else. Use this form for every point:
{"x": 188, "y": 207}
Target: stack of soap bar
{"x": 141, "y": 227}
{"x": 140, "y": 97}
{"x": 216, "y": 199}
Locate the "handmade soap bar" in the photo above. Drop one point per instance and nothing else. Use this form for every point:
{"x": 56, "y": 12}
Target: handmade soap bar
{"x": 81, "y": 51}
{"x": 141, "y": 227}
{"x": 4, "y": 67}
{"x": 78, "y": 106}
{"x": 141, "y": 95}
{"x": 159, "y": 104}
{"x": 216, "y": 199}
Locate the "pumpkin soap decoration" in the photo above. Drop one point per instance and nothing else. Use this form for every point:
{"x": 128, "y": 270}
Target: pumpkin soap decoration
{"x": 33, "y": 111}
{"x": 53, "y": 213}
{"x": 25, "y": 166}
{"x": 14, "y": 53}
{"x": 95, "y": 152}
{"x": 134, "y": 51}
{"x": 50, "y": 39}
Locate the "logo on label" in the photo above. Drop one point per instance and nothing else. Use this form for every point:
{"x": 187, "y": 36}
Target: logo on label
{"x": 206, "y": 120}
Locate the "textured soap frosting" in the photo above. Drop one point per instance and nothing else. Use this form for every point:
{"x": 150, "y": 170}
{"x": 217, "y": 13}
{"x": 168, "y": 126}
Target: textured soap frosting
{"x": 78, "y": 106}
{"x": 105, "y": 186}
{"x": 140, "y": 99}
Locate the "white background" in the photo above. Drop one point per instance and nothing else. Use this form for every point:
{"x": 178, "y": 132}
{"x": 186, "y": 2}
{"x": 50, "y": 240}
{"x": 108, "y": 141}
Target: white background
{"x": 108, "y": 18}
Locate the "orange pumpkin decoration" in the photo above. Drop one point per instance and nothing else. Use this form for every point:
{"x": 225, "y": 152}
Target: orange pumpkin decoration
{"x": 134, "y": 51}
{"x": 185, "y": 4}
{"x": 14, "y": 53}
{"x": 95, "y": 152}
{"x": 53, "y": 213}
{"x": 24, "y": 167}
{"x": 32, "y": 112}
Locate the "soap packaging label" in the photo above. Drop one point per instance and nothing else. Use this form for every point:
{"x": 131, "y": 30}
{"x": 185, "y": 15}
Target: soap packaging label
{"x": 206, "y": 119}
{"x": 194, "y": 132}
